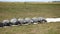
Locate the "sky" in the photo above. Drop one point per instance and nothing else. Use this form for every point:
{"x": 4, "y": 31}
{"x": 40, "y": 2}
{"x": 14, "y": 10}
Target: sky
{"x": 28, "y": 0}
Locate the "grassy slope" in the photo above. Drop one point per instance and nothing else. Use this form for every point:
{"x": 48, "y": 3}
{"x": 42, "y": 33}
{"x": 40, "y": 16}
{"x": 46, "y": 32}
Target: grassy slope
{"x": 10, "y": 10}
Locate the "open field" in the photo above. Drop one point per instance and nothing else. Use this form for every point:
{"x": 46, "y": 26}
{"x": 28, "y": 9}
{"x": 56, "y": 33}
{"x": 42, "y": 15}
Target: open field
{"x": 51, "y": 28}
{"x": 11, "y": 10}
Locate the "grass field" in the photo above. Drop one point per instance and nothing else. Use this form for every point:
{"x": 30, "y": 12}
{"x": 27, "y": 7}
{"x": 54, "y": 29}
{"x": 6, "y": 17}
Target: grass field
{"x": 22, "y": 10}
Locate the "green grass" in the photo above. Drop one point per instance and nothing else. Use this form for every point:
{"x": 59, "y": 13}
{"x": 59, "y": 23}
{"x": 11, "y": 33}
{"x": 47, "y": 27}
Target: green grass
{"x": 10, "y": 10}
{"x": 51, "y": 28}
{"x": 22, "y": 10}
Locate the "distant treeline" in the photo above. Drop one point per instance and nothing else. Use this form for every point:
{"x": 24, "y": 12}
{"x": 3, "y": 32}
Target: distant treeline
{"x": 56, "y": 1}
